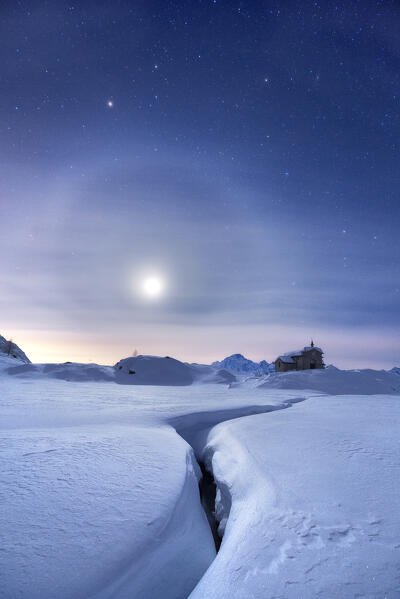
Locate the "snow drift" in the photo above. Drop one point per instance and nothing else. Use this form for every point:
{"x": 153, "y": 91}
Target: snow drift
{"x": 208, "y": 374}
{"x": 334, "y": 381}
{"x": 69, "y": 371}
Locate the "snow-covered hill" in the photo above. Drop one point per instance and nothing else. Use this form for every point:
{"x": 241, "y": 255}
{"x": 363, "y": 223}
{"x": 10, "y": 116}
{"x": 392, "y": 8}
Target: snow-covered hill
{"x": 11, "y": 349}
{"x": 238, "y": 364}
{"x": 67, "y": 371}
{"x": 154, "y": 370}
{"x": 335, "y": 381}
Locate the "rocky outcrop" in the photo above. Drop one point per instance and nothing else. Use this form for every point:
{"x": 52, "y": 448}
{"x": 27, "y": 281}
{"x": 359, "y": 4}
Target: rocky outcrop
{"x": 9, "y": 348}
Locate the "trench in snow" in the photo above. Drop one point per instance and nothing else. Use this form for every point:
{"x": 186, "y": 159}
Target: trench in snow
{"x": 208, "y": 491}
{"x": 194, "y": 429}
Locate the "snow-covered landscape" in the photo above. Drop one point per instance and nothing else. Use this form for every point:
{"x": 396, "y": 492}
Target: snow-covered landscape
{"x": 298, "y": 471}
{"x": 200, "y": 297}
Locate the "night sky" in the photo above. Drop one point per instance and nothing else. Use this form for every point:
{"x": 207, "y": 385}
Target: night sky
{"x": 246, "y": 152}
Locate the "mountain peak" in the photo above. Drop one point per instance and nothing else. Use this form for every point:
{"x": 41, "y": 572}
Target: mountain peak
{"x": 238, "y": 364}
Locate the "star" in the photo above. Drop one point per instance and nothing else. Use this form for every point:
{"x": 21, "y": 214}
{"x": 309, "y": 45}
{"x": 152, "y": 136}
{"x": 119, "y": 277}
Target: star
{"x": 110, "y": 104}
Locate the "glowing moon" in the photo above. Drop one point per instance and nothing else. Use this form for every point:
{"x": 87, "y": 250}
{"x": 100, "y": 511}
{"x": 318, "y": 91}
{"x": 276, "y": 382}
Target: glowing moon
{"x": 153, "y": 286}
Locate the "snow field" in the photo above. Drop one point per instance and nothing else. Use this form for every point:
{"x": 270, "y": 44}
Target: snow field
{"x": 101, "y": 500}
{"x": 99, "y": 494}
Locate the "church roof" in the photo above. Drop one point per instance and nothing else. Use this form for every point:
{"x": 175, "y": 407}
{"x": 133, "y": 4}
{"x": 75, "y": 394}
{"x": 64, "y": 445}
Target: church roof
{"x": 287, "y": 358}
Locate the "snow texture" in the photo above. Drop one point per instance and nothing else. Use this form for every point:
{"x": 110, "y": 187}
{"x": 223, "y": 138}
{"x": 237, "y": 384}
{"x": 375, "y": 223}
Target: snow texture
{"x": 310, "y": 498}
{"x": 99, "y": 498}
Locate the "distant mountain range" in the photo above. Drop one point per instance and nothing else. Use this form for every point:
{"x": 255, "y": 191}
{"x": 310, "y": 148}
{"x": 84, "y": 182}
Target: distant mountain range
{"x": 238, "y": 364}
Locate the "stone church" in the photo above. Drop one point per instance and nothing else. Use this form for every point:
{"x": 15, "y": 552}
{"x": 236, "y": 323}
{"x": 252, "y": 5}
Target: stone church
{"x": 308, "y": 358}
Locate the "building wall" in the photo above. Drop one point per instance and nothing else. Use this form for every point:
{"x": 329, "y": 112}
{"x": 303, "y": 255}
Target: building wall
{"x": 283, "y": 366}
{"x": 305, "y": 361}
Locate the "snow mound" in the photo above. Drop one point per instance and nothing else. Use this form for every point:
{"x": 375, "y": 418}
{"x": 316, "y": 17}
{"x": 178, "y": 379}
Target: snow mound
{"x": 12, "y": 350}
{"x": 336, "y": 382}
{"x": 7, "y": 362}
{"x": 69, "y": 371}
{"x": 238, "y": 364}
{"x": 153, "y": 370}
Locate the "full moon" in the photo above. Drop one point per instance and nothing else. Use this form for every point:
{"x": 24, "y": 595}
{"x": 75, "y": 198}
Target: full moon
{"x": 153, "y": 286}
